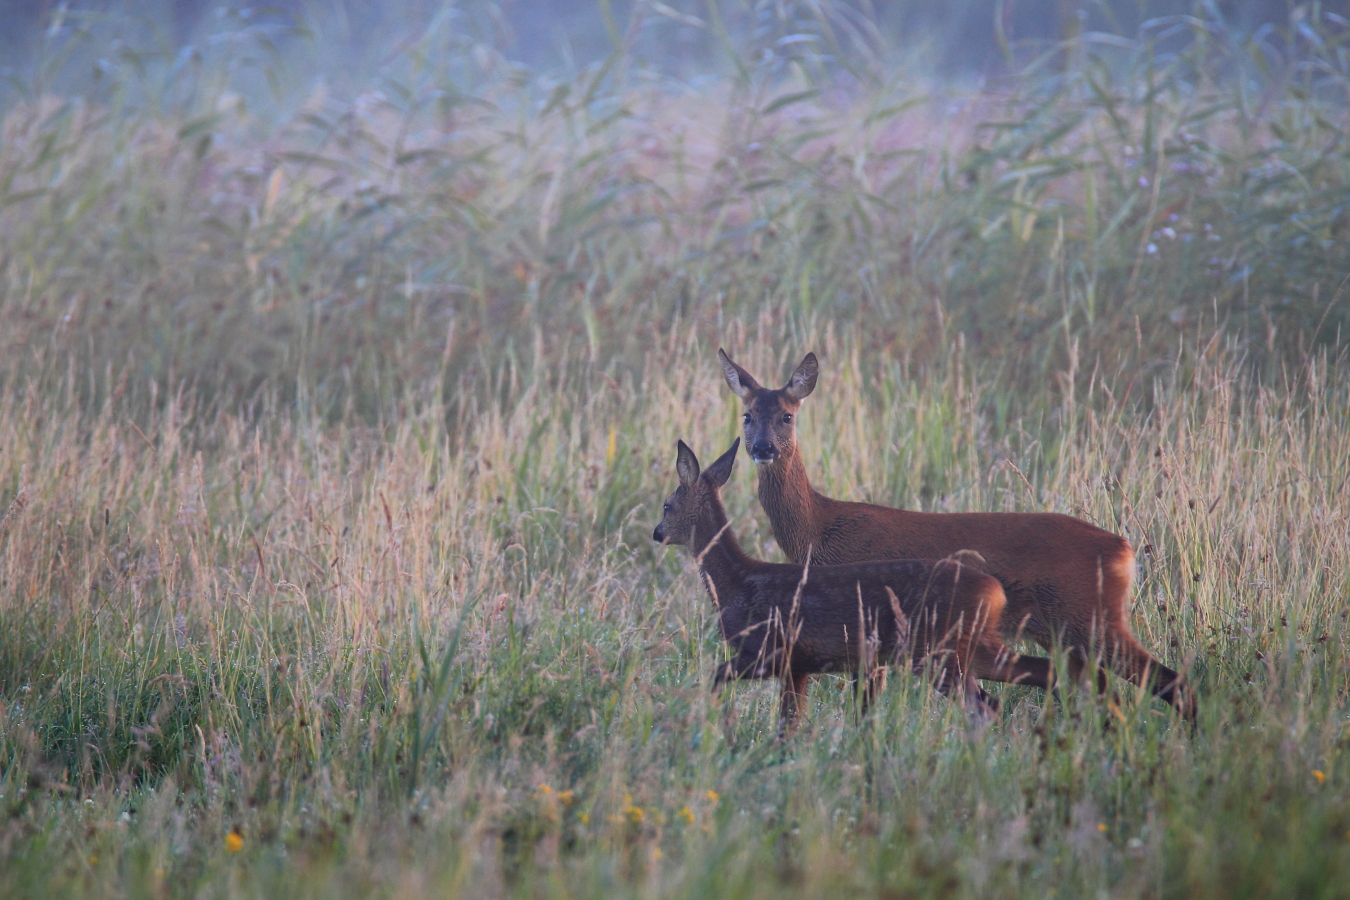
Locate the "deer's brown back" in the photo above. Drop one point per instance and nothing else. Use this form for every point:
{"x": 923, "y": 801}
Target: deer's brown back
{"x": 1055, "y": 569}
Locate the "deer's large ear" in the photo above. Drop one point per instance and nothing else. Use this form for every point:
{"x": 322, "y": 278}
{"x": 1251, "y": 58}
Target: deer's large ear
{"x": 720, "y": 471}
{"x": 803, "y": 380}
{"x": 686, "y": 464}
{"x": 742, "y": 384}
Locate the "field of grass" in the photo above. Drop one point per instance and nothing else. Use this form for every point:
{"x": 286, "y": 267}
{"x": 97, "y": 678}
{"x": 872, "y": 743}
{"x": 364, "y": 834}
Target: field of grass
{"x": 331, "y": 443}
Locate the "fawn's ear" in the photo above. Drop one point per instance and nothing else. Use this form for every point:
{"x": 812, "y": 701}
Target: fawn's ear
{"x": 686, "y": 464}
{"x": 720, "y": 471}
{"x": 741, "y": 382}
{"x": 803, "y": 380}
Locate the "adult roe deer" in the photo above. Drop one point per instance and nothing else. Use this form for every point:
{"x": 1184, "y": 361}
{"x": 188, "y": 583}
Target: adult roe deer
{"x": 789, "y": 621}
{"x": 1065, "y": 579}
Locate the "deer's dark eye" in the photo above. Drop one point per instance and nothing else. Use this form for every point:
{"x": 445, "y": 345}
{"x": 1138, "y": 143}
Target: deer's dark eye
{"x": 746, "y": 418}
{"x": 665, "y": 507}
{"x": 787, "y": 417}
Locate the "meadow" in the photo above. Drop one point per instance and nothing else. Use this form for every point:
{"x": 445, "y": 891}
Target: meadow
{"x": 332, "y": 438}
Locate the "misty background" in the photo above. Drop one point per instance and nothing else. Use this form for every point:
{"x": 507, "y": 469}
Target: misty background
{"x": 346, "y": 43}
{"x": 336, "y": 199}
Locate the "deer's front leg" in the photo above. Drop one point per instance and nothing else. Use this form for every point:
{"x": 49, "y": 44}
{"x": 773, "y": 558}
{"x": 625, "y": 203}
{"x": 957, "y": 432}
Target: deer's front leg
{"x": 755, "y": 658}
{"x": 743, "y": 665}
{"x": 792, "y": 701}
{"x": 867, "y": 686}
{"x": 727, "y": 671}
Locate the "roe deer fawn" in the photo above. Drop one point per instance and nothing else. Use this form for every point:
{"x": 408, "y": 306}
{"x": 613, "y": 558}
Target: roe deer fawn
{"x": 789, "y": 621}
{"x": 1065, "y": 579}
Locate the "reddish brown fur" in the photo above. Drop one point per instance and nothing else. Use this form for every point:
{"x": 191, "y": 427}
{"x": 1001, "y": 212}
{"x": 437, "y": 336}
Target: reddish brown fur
{"x": 790, "y": 621}
{"x": 1066, "y": 580}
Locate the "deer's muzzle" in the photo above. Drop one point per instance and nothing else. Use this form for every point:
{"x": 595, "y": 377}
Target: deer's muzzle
{"x": 763, "y": 453}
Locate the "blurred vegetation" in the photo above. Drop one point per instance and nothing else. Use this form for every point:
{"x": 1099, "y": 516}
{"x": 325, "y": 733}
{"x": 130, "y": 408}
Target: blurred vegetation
{"x": 335, "y": 415}
{"x": 1092, "y": 208}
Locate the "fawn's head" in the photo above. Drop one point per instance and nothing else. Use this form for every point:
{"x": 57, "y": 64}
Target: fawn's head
{"x": 770, "y": 416}
{"x": 696, "y": 494}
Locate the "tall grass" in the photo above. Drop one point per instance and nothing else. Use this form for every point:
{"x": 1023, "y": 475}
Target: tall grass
{"x": 330, "y": 449}
{"x": 449, "y": 209}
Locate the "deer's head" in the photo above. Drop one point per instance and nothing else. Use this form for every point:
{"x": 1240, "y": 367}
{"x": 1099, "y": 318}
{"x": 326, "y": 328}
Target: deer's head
{"x": 696, "y": 495}
{"x": 770, "y": 416}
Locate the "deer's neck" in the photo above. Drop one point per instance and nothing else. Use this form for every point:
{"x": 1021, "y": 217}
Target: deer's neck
{"x": 721, "y": 560}
{"x": 791, "y": 504}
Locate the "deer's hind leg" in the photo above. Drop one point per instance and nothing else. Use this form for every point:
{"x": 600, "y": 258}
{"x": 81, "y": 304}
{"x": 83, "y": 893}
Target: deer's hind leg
{"x": 1079, "y": 663}
{"x": 1139, "y": 667}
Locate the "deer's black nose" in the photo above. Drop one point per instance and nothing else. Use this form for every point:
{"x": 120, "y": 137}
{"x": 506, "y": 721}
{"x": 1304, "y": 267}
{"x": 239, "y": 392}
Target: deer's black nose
{"x": 763, "y": 452}
{"x": 658, "y": 535}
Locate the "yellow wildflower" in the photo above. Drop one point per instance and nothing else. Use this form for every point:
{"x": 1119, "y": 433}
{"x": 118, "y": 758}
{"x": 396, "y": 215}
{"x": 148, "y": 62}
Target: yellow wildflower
{"x": 1319, "y": 775}
{"x": 584, "y": 817}
{"x": 543, "y": 790}
{"x": 713, "y": 797}
{"x": 1101, "y": 826}
{"x": 687, "y": 815}
{"x": 633, "y": 813}
{"x": 234, "y": 841}
{"x": 565, "y": 797}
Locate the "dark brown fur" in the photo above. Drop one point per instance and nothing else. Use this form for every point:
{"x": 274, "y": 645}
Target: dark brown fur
{"x": 789, "y": 621}
{"x": 1066, "y": 580}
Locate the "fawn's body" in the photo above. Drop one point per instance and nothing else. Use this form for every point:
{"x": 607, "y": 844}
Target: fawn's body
{"x": 1065, "y": 580}
{"x": 789, "y": 621}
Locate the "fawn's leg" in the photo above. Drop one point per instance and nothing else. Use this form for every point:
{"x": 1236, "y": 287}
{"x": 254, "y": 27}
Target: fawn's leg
{"x": 995, "y": 662}
{"x": 958, "y": 682}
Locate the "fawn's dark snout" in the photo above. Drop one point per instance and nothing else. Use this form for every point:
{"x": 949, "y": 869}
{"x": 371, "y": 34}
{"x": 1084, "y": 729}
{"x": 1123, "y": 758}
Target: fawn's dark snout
{"x": 680, "y": 512}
